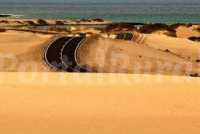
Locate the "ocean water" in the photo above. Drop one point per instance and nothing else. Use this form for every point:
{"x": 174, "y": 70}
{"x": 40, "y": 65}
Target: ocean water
{"x": 117, "y": 12}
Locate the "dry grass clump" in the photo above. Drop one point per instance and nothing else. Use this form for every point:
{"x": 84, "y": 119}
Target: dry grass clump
{"x": 58, "y": 22}
{"x": 4, "y": 21}
{"x": 193, "y": 38}
{"x": 120, "y": 27}
{"x": 150, "y": 28}
{"x": 98, "y": 20}
{"x": 171, "y": 34}
{"x": 58, "y": 29}
{"x": 2, "y": 30}
{"x": 198, "y": 28}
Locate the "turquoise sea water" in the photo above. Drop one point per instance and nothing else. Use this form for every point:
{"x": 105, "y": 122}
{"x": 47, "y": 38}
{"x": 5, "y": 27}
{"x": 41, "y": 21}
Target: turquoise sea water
{"x": 118, "y": 12}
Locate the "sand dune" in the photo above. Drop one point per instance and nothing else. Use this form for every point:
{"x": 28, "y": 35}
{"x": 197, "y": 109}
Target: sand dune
{"x": 34, "y": 100}
{"x": 186, "y": 32}
{"x": 98, "y": 103}
{"x": 179, "y": 46}
{"x": 108, "y": 55}
{"x": 22, "y": 51}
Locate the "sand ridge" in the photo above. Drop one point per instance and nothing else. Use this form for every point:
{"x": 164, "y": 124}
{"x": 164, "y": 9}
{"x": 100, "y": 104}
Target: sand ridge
{"x": 108, "y": 55}
{"x": 22, "y": 51}
{"x": 38, "y": 101}
{"x": 153, "y": 54}
{"x": 180, "y": 46}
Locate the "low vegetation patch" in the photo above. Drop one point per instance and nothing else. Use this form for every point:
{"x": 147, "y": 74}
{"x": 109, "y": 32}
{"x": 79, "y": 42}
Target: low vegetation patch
{"x": 58, "y": 22}
{"x": 42, "y": 22}
{"x": 171, "y": 34}
{"x": 2, "y": 30}
{"x": 193, "y": 38}
{"x": 58, "y": 29}
{"x": 198, "y": 28}
{"x": 98, "y": 20}
{"x": 30, "y": 23}
{"x": 4, "y": 21}
{"x": 175, "y": 26}
{"x": 120, "y": 27}
{"x": 150, "y": 28}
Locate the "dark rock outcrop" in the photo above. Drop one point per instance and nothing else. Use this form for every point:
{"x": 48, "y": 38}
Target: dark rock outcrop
{"x": 120, "y": 27}
{"x": 193, "y": 38}
{"x": 98, "y": 20}
{"x": 42, "y": 22}
{"x": 175, "y": 26}
{"x": 30, "y": 23}
{"x": 150, "y": 28}
{"x": 4, "y": 21}
{"x": 58, "y": 22}
{"x": 2, "y": 30}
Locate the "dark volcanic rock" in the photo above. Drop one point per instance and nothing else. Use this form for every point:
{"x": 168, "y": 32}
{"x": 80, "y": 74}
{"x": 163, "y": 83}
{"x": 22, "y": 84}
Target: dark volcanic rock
{"x": 195, "y": 75}
{"x": 58, "y": 29}
{"x": 58, "y": 22}
{"x": 193, "y": 38}
{"x": 4, "y": 21}
{"x": 120, "y": 27}
{"x": 175, "y": 26}
{"x": 150, "y": 28}
{"x": 98, "y": 20}
{"x": 2, "y": 30}
{"x": 86, "y": 20}
{"x": 30, "y": 23}
{"x": 42, "y": 22}
{"x": 198, "y": 29}
{"x": 171, "y": 33}
{"x": 5, "y": 15}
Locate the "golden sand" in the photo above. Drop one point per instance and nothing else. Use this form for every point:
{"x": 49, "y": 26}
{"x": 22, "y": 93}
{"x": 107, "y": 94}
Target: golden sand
{"x": 186, "y": 32}
{"x": 98, "y": 103}
{"x": 40, "y": 102}
{"x": 117, "y": 56}
{"x": 22, "y": 51}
